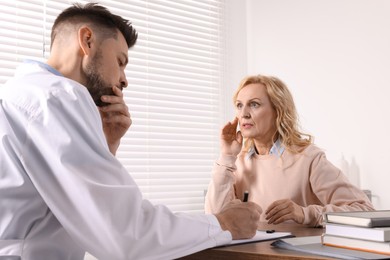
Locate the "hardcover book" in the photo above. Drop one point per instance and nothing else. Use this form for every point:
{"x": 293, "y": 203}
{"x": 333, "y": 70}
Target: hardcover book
{"x": 377, "y": 218}
{"x": 380, "y": 234}
{"x": 356, "y": 244}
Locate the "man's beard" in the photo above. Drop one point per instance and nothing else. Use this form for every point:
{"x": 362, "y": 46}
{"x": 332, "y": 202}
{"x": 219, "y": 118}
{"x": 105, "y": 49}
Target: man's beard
{"x": 95, "y": 83}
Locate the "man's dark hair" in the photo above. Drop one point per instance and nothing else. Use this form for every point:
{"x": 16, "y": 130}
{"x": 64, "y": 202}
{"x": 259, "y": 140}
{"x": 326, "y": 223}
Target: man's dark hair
{"x": 98, "y": 16}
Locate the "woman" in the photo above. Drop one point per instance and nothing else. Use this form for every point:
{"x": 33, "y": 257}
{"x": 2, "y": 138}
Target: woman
{"x": 280, "y": 167}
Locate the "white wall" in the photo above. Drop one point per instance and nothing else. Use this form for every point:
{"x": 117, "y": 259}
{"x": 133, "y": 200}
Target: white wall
{"x": 235, "y": 53}
{"x": 335, "y": 57}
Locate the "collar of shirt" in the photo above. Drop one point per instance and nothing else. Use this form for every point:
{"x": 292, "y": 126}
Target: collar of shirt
{"x": 45, "y": 65}
{"x": 277, "y": 149}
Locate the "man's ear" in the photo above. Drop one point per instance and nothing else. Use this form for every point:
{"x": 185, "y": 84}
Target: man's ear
{"x": 85, "y": 35}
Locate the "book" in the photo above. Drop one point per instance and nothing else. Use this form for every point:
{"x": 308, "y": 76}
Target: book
{"x": 377, "y": 218}
{"x": 380, "y": 234}
{"x": 313, "y": 245}
{"x": 356, "y": 244}
{"x": 261, "y": 235}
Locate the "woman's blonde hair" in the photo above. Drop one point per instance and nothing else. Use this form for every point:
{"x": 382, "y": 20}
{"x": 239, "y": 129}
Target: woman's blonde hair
{"x": 287, "y": 125}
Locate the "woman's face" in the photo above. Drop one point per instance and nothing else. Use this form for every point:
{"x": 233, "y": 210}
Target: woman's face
{"x": 255, "y": 113}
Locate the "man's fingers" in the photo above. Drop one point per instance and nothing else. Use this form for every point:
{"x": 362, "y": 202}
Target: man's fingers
{"x": 240, "y": 218}
{"x": 119, "y": 120}
{"x": 117, "y": 91}
{"x": 120, "y": 109}
{"x": 235, "y": 201}
{"x": 114, "y": 99}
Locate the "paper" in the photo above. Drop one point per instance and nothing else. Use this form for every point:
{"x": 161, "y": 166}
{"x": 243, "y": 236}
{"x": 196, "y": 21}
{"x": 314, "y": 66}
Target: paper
{"x": 261, "y": 236}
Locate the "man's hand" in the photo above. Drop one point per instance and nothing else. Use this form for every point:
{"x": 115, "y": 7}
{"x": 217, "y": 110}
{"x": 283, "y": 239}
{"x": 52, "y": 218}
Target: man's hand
{"x": 282, "y": 210}
{"x": 116, "y": 119}
{"x": 231, "y": 140}
{"x": 240, "y": 218}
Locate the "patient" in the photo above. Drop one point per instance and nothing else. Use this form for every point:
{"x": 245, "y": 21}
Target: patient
{"x": 284, "y": 172}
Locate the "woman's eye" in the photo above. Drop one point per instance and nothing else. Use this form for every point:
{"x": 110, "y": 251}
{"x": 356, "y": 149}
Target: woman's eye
{"x": 254, "y": 104}
{"x": 239, "y": 106}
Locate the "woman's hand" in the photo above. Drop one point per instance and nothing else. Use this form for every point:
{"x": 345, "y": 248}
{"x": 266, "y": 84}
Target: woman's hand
{"x": 115, "y": 118}
{"x": 282, "y": 210}
{"x": 231, "y": 140}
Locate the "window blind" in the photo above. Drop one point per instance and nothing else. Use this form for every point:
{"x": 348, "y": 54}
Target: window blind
{"x": 175, "y": 76}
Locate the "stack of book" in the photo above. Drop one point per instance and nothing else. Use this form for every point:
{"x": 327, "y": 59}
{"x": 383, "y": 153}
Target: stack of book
{"x": 359, "y": 230}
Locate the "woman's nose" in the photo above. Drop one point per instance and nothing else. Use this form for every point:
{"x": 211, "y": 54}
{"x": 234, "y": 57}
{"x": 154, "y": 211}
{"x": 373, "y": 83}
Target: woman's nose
{"x": 244, "y": 112}
{"x": 246, "y": 116}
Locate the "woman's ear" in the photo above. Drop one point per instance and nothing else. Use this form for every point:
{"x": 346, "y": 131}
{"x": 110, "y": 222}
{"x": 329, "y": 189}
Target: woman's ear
{"x": 85, "y": 39}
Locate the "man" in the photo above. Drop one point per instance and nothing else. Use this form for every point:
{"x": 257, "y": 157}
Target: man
{"x": 62, "y": 191}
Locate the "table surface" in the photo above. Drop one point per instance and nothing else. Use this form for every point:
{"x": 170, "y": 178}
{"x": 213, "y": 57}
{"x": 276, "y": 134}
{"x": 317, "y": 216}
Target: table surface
{"x": 261, "y": 250}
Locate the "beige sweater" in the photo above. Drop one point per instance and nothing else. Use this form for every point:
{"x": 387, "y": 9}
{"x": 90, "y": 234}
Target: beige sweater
{"x": 307, "y": 178}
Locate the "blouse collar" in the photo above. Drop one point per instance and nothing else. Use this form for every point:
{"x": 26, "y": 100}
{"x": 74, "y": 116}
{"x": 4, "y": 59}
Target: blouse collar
{"x": 277, "y": 149}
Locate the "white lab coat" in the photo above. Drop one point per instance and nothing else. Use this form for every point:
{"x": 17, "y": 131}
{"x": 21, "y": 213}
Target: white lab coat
{"x": 63, "y": 193}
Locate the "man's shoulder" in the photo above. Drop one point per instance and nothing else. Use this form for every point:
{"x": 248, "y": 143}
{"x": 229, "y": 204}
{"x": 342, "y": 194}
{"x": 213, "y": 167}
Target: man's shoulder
{"x": 34, "y": 88}
{"x": 34, "y": 77}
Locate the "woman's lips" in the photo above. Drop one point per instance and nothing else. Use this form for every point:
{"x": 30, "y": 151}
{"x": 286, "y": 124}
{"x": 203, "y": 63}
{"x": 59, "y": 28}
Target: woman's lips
{"x": 246, "y": 126}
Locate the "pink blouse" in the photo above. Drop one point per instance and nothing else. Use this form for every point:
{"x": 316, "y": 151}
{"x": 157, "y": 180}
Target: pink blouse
{"x": 307, "y": 178}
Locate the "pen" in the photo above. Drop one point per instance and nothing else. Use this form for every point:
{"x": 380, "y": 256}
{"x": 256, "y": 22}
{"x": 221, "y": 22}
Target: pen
{"x": 246, "y": 195}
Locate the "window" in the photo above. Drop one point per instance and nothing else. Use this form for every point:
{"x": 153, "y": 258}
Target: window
{"x": 175, "y": 74}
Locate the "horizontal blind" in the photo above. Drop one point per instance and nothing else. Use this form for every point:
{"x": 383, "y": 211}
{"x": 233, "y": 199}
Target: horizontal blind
{"x": 174, "y": 74}
{"x": 21, "y": 34}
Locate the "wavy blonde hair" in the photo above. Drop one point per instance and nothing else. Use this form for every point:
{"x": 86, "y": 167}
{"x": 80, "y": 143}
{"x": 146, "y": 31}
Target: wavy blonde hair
{"x": 287, "y": 124}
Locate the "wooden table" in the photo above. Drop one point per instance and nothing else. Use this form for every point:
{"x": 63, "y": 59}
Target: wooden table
{"x": 261, "y": 250}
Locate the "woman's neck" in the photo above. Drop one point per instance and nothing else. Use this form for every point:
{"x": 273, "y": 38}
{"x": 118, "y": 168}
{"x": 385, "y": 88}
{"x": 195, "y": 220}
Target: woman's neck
{"x": 263, "y": 148}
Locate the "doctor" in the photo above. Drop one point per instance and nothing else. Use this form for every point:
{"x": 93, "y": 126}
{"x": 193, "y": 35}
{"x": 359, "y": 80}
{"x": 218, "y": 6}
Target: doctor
{"x": 62, "y": 191}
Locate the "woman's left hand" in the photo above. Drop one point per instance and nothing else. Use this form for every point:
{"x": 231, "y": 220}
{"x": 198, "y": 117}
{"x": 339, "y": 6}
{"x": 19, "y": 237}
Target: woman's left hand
{"x": 116, "y": 119}
{"x": 282, "y": 210}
